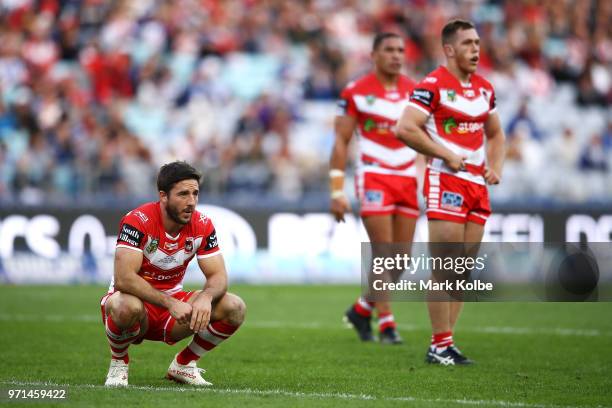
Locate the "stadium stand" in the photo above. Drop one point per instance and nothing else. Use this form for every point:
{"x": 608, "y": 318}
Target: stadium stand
{"x": 96, "y": 95}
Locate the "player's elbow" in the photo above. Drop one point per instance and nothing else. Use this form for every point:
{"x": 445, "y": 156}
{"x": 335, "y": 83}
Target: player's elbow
{"x": 122, "y": 282}
{"x": 406, "y": 131}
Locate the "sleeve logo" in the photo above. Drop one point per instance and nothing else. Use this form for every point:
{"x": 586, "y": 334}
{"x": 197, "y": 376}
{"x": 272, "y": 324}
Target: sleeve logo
{"x": 211, "y": 241}
{"x": 423, "y": 96}
{"x": 130, "y": 235}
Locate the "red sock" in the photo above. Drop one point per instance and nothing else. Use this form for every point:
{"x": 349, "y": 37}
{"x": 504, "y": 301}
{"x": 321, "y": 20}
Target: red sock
{"x": 363, "y": 307}
{"x": 385, "y": 321}
{"x": 120, "y": 339}
{"x": 442, "y": 340}
{"x": 205, "y": 341}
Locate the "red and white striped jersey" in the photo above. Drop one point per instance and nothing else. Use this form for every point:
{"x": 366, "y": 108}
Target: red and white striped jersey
{"x": 457, "y": 113}
{"x": 165, "y": 258}
{"x": 377, "y": 110}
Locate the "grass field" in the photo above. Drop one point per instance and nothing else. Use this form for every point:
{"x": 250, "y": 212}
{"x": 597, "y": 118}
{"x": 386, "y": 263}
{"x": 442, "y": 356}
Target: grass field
{"x": 293, "y": 351}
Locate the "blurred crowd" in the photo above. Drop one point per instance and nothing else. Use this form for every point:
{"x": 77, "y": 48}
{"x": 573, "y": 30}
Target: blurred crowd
{"x": 96, "y": 94}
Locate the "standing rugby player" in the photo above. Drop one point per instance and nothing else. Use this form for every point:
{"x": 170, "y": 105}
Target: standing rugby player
{"x": 451, "y": 115}
{"x": 385, "y": 182}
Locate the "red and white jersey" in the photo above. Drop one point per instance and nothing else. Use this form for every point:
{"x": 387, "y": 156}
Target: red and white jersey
{"x": 457, "y": 114}
{"x": 377, "y": 110}
{"x": 165, "y": 258}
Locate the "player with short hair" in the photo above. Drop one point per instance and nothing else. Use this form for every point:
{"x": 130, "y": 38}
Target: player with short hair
{"x": 450, "y": 114}
{"x": 146, "y": 300}
{"x": 385, "y": 179}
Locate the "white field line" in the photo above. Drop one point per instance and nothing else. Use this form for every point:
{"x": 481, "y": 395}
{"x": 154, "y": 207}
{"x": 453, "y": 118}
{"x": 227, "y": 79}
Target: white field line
{"x": 553, "y": 331}
{"x": 292, "y": 394}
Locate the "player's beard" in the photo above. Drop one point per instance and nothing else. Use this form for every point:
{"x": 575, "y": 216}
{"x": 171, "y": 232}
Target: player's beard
{"x": 174, "y": 213}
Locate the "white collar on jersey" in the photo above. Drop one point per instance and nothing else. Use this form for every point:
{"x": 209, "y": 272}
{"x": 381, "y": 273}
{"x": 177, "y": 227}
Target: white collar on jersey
{"x": 170, "y": 237}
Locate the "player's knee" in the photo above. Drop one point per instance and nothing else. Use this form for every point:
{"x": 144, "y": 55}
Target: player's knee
{"x": 127, "y": 309}
{"x": 235, "y": 309}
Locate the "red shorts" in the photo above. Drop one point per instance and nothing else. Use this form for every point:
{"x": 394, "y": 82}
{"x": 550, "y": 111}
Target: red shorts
{"x": 160, "y": 323}
{"x": 382, "y": 194}
{"x": 451, "y": 198}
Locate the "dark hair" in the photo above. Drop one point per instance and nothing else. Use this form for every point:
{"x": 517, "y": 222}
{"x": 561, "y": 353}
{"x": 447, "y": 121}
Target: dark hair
{"x": 172, "y": 173}
{"x": 451, "y": 28}
{"x": 380, "y": 37}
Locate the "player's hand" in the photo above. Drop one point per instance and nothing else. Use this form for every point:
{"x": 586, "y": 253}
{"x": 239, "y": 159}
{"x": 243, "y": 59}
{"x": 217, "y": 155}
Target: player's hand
{"x": 455, "y": 162}
{"x": 181, "y": 311}
{"x": 339, "y": 206}
{"x": 201, "y": 311}
{"x": 491, "y": 176}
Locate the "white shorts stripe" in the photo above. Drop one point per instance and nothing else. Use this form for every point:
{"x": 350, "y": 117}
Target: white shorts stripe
{"x": 377, "y": 208}
{"x": 484, "y": 217}
{"x": 446, "y": 212}
{"x": 407, "y": 210}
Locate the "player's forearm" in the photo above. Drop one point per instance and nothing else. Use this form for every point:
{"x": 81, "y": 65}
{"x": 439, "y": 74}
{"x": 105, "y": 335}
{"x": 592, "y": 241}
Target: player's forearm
{"x": 339, "y": 155}
{"x": 496, "y": 151}
{"x": 337, "y": 163}
{"x": 135, "y": 285}
{"x": 416, "y": 138}
{"x": 216, "y": 286}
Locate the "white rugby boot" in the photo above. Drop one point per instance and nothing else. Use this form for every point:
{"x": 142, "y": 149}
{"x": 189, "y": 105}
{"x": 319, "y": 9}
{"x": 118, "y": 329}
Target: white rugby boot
{"x": 186, "y": 374}
{"x": 117, "y": 374}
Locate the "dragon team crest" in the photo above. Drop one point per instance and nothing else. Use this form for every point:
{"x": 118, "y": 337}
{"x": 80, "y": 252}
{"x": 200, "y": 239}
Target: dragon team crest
{"x": 189, "y": 244}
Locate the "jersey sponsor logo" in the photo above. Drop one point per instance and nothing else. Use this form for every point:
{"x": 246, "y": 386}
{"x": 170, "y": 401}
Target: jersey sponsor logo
{"x": 373, "y": 197}
{"x": 211, "y": 241}
{"x": 370, "y": 99}
{"x": 189, "y": 244}
{"x": 380, "y": 127}
{"x": 171, "y": 245}
{"x": 369, "y": 125}
{"x": 451, "y": 125}
{"x": 451, "y": 201}
{"x": 469, "y": 93}
{"x": 130, "y": 235}
{"x": 152, "y": 247}
{"x": 392, "y": 95}
{"x": 423, "y": 96}
{"x": 161, "y": 277}
{"x": 471, "y": 127}
{"x": 142, "y": 216}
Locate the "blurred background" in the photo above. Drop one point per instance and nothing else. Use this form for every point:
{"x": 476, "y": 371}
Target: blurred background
{"x": 96, "y": 95}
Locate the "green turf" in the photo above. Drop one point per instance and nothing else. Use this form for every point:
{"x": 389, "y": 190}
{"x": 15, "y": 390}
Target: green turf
{"x": 293, "y": 351}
